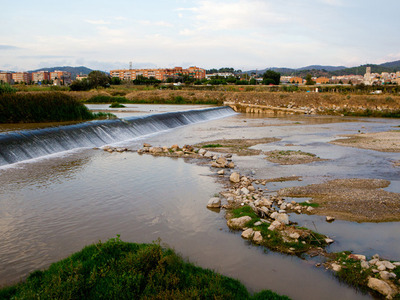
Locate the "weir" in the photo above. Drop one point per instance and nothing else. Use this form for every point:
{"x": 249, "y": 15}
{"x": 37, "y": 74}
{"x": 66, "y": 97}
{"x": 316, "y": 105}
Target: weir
{"x": 24, "y": 145}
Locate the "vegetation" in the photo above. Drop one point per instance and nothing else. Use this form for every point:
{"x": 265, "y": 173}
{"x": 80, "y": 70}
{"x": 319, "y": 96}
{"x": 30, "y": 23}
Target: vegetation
{"x": 271, "y": 77}
{"x": 43, "y": 107}
{"x": 94, "y": 80}
{"x": 5, "y": 88}
{"x": 309, "y": 80}
{"x": 119, "y": 270}
{"x": 212, "y": 146}
{"x": 106, "y": 99}
{"x": 116, "y": 105}
{"x": 278, "y": 240}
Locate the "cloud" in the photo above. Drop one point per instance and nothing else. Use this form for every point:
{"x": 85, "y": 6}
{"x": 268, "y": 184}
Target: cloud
{"x": 43, "y": 56}
{"x": 97, "y": 22}
{"x": 8, "y": 47}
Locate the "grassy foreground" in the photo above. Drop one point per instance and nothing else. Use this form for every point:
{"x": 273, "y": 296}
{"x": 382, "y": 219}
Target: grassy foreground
{"x": 43, "y": 107}
{"x": 120, "y": 270}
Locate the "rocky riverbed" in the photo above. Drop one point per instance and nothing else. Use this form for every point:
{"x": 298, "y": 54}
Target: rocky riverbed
{"x": 264, "y": 219}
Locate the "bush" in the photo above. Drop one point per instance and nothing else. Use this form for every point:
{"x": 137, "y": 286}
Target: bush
{"x": 106, "y": 99}
{"x": 42, "y": 107}
{"x": 5, "y": 88}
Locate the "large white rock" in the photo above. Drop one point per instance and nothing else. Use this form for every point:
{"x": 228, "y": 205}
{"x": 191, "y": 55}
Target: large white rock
{"x": 235, "y": 177}
{"x": 202, "y": 151}
{"x": 388, "y": 265}
{"x": 274, "y": 225}
{"x": 381, "y": 287}
{"x": 238, "y": 223}
{"x": 283, "y": 218}
{"x": 222, "y": 161}
{"x": 244, "y": 191}
{"x": 336, "y": 267}
{"x": 257, "y": 237}
{"x": 214, "y": 202}
{"x": 248, "y": 233}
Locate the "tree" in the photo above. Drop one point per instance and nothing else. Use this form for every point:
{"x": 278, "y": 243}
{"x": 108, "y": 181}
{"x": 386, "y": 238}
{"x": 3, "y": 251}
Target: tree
{"x": 115, "y": 80}
{"x": 271, "y": 77}
{"x": 98, "y": 78}
{"x": 309, "y": 80}
{"x": 253, "y": 81}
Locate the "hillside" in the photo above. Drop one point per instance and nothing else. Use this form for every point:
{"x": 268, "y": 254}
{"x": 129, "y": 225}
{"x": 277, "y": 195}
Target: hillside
{"x": 73, "y": 70}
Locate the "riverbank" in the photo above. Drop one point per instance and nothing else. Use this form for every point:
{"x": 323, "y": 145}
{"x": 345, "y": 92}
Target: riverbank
{"x": 120, "y": 270}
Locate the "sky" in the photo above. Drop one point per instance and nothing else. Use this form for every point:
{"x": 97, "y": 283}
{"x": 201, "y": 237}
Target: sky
{"x": 246, "y": 35}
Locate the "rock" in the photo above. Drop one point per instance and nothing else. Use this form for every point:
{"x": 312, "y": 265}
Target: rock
{"x": 397, "y": 263}
{"x": 146, "y": 145}
{"x": 214, "y": 202}
{"x": 248, "y": 233}
{"x": 388, "y": 265}
{"x": 251, "y": 188}
{"x": 231, "y": 165}
{"x": 155, "y": 150}
{"x": 238, "y": 223}
{"x": 188, "y": 148}
{"x": 274, "y": 215}
{"x": 208, "y": 154}
{"x": 257, "y": 237}
{"x": 294, "y": 235}
{"x": 373, "y": 261}
{"x": 385, "y": 275}
{"x": 275, "y": 225}
{"x": 381, "y": 287}
{"x": 235, "y": 177}
{"x": 375, "y": 271}
{"x": 245, "y": 191}
{"x": 179, "y": 152}
{"x": 258, "y": 223}
{"x": 310, "y": 209}
{"x": 175, "y": 147}
{"x": 222, "y": 161}
{"x": 381, "y": 268}
{"x": 283, "y": 218}
{"x": 376, "y": 256}
{"x": 329, "y": 241}
{"x": 202, "y": 151}
{"x": 364, "y": 265}
{"x": 165, "y": 149}
{"x": 357, "y": 257}
{"x": 221, "y": 172}
{"x": 336, "y": 267}
{"x": 330, "y": 219}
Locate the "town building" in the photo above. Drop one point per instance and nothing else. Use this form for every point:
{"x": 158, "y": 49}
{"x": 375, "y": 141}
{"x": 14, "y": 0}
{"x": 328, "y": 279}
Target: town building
{"x": 62, "y": 77}
{"x": 22, "y": 77}
{"x": 40, "y": 76}
{"x": 322, "y": 80}
{"x": 81, "y": 77}
{"x": 296, "y": 80}
{"x": 159, "y": 74}
{"x": 225, "y": 75}
{"x": 6, "y": 77}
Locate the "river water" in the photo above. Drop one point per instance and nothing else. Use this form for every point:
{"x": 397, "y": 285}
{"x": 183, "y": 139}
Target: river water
{"x": 53, "y": 206}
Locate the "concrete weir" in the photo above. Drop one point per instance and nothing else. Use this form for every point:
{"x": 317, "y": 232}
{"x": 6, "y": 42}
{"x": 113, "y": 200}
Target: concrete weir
{"x": 264, "y": 109}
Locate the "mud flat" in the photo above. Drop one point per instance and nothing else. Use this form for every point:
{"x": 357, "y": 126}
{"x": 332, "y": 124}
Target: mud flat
{"x": 360, "y": 200}
{"x": 291, "y": 157}
{"x": 388, "y": 141}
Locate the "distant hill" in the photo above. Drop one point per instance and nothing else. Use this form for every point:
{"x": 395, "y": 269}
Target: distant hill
{"x": 73, "y": 70}
{"x": 318, "y": 70}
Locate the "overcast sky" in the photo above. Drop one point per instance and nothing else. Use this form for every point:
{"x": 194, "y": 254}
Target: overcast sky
{"x": 251, "y": 34}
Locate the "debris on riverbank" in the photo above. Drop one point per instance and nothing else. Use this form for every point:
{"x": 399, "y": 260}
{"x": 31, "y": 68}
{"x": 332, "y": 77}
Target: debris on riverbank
{"x": 388, "y": 141}
{"x": 291, "y": 157}
{"x": 360, "y": 200}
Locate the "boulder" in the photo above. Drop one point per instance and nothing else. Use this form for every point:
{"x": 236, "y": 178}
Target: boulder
{"x": 214, "y": 202}
{"x": 381, "y": 287}
{"x": 275, "y": 225}
{"x": 222, "y": 161}
{"x": 248, "y": 233}
{"x": 146, "y": 145}
{"x": 283, "y": 218}
{"x": 329, "y": 241}
{"x": 154, "y": 150}
{"x": 364, "y": 264}
{"x": 336, "y": 267}
{"x": 221, "y": 172}
{"x": 175, "y": 147}
{"x": 244, "y": 191}
{"x": 388, "y": 265}
{"x": 238, "y": 223}
{"x": 208, "y": 154}
{"x": 310, "y": 209}
{"x": 235, "y": 177}
{"x": 357, "y": 257}
{"x": 257, "y": 237}
{"x": 294, "y": 235}
{"x": 330, "y": 219}
{"x": 231, "y": 165}
{"x": 202, "y": 151}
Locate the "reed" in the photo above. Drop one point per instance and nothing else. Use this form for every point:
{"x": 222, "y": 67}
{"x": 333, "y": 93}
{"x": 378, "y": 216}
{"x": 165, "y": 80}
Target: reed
{"x": 43, "y": 107}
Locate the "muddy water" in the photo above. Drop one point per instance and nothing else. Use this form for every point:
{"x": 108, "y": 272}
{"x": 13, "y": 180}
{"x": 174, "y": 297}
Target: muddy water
{"x": 53, "y": 207}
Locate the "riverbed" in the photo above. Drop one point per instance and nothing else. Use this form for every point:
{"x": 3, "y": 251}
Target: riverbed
{"x": 53, "y": 206}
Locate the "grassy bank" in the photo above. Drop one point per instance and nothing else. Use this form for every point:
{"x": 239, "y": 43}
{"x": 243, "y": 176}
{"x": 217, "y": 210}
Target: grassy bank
{"x": 119, "y": 270}
{"x": 43, "y": 107}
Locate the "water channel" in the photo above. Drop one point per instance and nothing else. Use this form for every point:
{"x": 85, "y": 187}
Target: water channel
{"x": 54, "y": 205}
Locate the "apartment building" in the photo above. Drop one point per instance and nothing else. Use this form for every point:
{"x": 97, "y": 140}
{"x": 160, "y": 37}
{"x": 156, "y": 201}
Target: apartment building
{"x": 61, "y": 76}
{"x": 22, "y": 77}
{"x": 159, "y": 74}
{"x": 6, "y": 77}
{"x": 40, "y": 76}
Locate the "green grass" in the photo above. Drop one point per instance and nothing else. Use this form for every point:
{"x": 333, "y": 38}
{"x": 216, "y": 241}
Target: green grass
{"x": 119, "y": 270}
{"x": 116, "y": 105}
{"x": 212, "y": 146}
{"x": 44, "y": 107}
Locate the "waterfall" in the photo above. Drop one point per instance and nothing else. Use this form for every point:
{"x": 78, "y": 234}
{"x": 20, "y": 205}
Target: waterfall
{"x": 24, "y": 145}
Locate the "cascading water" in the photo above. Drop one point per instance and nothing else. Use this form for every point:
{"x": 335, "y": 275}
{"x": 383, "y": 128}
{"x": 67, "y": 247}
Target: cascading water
{"x": 24, "y": 145}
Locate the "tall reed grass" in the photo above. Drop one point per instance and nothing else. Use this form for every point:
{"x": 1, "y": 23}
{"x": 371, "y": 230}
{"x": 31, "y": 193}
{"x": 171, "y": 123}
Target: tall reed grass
{"x": 43, "y": 107}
